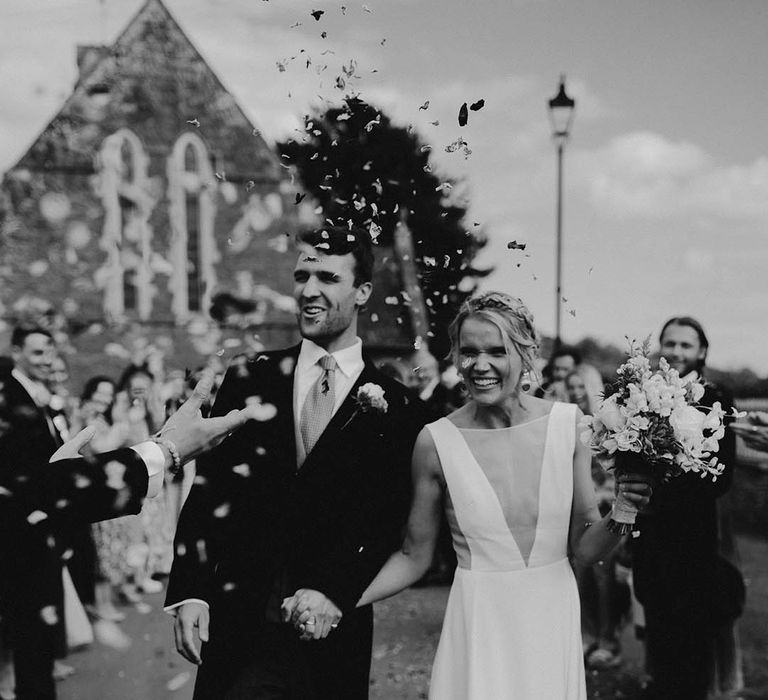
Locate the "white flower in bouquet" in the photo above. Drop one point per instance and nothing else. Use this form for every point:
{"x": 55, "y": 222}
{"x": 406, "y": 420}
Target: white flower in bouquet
{"x": 610, "y": 415}
{"x": 652, "y": 423}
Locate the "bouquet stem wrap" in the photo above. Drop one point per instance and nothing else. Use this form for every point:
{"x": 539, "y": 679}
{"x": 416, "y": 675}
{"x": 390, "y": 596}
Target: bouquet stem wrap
{"x": 624, "y": 512}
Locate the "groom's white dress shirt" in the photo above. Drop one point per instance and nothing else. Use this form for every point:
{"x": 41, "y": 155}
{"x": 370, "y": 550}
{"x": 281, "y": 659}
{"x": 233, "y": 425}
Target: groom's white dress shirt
{"x": 350, "y": 365}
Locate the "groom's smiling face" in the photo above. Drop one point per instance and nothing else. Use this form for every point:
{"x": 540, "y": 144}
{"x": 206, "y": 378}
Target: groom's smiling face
{"x": 327, "y": 298}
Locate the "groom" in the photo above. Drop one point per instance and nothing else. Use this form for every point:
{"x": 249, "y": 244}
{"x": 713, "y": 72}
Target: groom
{"x": 310, "y": 501}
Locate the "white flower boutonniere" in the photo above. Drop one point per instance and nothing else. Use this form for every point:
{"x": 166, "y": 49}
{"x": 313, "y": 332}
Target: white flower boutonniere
{"x": 369, "y": 399}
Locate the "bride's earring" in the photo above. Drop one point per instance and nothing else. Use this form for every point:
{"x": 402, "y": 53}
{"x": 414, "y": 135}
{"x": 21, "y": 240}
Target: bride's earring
{"x": 525, "y": 380}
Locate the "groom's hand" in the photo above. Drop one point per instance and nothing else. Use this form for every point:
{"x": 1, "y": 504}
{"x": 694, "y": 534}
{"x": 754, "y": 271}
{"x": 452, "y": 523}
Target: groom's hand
{"x": 189, "y": 616}
{"x": 312, "y": 613}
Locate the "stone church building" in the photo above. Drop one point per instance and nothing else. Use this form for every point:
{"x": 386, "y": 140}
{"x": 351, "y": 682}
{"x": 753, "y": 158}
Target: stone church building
{"x": 151, "y": 211}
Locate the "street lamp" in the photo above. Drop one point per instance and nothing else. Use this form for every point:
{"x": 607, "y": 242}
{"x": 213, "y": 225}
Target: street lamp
{"x": 561, "y": 109}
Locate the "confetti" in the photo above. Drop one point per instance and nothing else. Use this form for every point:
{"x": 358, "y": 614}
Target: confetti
{"x": 424, "y": 106}
{"x": 573, "y": 312}
{"x": 317, "y": 14}
{"x": 463, "y": 115}
{"x": 299, "y": 197}
{"x": 475, "y": 106}
{"x": 367, "y": 9}
{"x": 194, "y": 122}
{"x": 514, "y": 245}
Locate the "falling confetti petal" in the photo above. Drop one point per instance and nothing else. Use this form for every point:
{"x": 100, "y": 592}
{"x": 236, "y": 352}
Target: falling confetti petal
{"x": 463, "y": 115}
{"x": 317, "y": 14}
{"x": 299, "y": 197}
{"x": 194, "y": 122}
{"x": 425, "y": 105}
{"x": 475, "y": 106}
{"x": 514, "y": 245}
{"x": 366, "y": 8}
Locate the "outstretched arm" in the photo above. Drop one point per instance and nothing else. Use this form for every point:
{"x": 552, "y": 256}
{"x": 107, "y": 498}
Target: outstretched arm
{"x": 590, "y": 539}
{"x": 411, "y": 562}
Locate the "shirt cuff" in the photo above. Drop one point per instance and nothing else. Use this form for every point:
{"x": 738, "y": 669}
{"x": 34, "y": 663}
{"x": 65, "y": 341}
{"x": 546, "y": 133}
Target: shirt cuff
{"x": 171, "y": 609}
{"x": 154, "y": 459}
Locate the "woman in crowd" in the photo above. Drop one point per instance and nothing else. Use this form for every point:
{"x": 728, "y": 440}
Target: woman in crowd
{"x": 138, "y": 412}
{"x": 599, "y": 590}
{"x": 111, "y": 537}
{"x": 518, "y": 492}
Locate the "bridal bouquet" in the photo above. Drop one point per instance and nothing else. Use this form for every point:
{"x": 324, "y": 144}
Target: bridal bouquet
{"x": 652, "y": 424}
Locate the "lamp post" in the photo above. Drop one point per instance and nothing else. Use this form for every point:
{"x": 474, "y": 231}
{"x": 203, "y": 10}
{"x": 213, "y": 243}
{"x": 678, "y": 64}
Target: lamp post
{"x": 561, "y": 109}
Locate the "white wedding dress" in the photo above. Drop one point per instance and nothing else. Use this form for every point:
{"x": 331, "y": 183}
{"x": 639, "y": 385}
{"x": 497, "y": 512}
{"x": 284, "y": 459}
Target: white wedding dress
{"x": 512, "y": 625}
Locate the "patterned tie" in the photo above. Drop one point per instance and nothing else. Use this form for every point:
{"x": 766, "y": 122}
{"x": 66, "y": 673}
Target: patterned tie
{"x": 318, "y": 406}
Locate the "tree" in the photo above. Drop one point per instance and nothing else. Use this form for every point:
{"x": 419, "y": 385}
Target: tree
{"x": 363, "y": 169}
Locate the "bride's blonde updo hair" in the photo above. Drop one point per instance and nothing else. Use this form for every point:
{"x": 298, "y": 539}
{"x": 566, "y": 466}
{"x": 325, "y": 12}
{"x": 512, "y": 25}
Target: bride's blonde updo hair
{"x": 510, "y": 315}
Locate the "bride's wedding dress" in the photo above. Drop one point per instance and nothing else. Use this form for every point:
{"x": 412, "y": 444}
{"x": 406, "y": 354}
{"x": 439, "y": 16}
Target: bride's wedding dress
{"x": 511, "y": 628}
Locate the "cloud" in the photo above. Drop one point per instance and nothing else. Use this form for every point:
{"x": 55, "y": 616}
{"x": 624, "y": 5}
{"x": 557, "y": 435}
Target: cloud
{"x": 643, "y": 174}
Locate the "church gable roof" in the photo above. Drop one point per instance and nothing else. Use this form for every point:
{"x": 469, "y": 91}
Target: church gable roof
{"x": 154, "y": 81}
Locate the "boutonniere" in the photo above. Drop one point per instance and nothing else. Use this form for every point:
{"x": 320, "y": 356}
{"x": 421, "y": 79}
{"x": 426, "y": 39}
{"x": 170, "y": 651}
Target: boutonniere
{"x": 369, "y": 399}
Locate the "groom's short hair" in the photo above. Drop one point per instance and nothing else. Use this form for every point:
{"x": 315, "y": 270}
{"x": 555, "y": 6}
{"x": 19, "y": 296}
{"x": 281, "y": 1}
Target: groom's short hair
{"x": 341, "y": 240}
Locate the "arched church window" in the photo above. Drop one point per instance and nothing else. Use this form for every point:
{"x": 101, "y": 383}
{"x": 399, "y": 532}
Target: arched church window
{"x": 192, "y": 211}
{"x": 126, "y": 235}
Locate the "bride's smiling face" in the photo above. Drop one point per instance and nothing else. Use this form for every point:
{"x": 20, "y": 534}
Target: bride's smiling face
{"x": 490, "y": 372}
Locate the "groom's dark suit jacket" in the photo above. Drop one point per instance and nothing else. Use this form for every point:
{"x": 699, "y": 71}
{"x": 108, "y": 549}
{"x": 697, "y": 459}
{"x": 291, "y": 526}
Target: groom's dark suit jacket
{"x": 255, "y": 527}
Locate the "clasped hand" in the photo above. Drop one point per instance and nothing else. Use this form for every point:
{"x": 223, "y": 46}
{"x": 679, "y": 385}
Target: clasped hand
{"x": 311, "y": 613}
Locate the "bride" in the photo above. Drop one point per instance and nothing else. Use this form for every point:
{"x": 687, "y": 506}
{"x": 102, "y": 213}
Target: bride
{"x": 516, "y": 486}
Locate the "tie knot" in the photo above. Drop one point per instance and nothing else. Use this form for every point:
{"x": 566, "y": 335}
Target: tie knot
{"x": 328, "y": 363}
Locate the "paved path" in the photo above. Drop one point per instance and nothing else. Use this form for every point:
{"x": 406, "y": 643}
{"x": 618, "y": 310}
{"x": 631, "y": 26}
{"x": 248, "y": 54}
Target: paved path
{"x": 407, "y": 629}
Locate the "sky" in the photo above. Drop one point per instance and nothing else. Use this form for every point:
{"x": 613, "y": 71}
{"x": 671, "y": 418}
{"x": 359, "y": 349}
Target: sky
{"x": 665, "y": 202}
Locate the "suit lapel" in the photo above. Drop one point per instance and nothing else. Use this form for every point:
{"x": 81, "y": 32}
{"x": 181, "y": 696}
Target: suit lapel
{"x": 283, "y": 399}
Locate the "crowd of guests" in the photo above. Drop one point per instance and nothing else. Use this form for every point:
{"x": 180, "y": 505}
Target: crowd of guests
{"x": 120, "y": 560}
{"x": 94, "y": 567}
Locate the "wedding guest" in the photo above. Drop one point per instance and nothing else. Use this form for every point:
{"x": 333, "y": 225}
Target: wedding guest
{"x": 675, "y": 557}
{"x": 32, "y": 423}
{"x": 516, "y": 485}
{"x": 562, "y": 362}
{"x": 310, "y": 502}
{"x": 110, "y": 537}
{"x": 73, "y": 490}
{"x": 599, "y": 589}
{"x": 139, "y": 409}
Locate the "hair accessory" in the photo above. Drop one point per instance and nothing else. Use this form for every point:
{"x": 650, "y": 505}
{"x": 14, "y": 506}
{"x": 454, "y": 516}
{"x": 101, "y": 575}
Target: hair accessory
{"x": 169, "y": 445}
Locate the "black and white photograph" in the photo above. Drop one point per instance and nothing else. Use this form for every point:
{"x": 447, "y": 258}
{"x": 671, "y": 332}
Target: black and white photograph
{"x": 383, "y": 351}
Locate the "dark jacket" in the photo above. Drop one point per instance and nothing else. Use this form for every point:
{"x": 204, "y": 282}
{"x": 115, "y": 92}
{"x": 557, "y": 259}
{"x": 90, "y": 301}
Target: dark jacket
{"x": 675, "y": 554}
{"x": 254, "y": 524}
